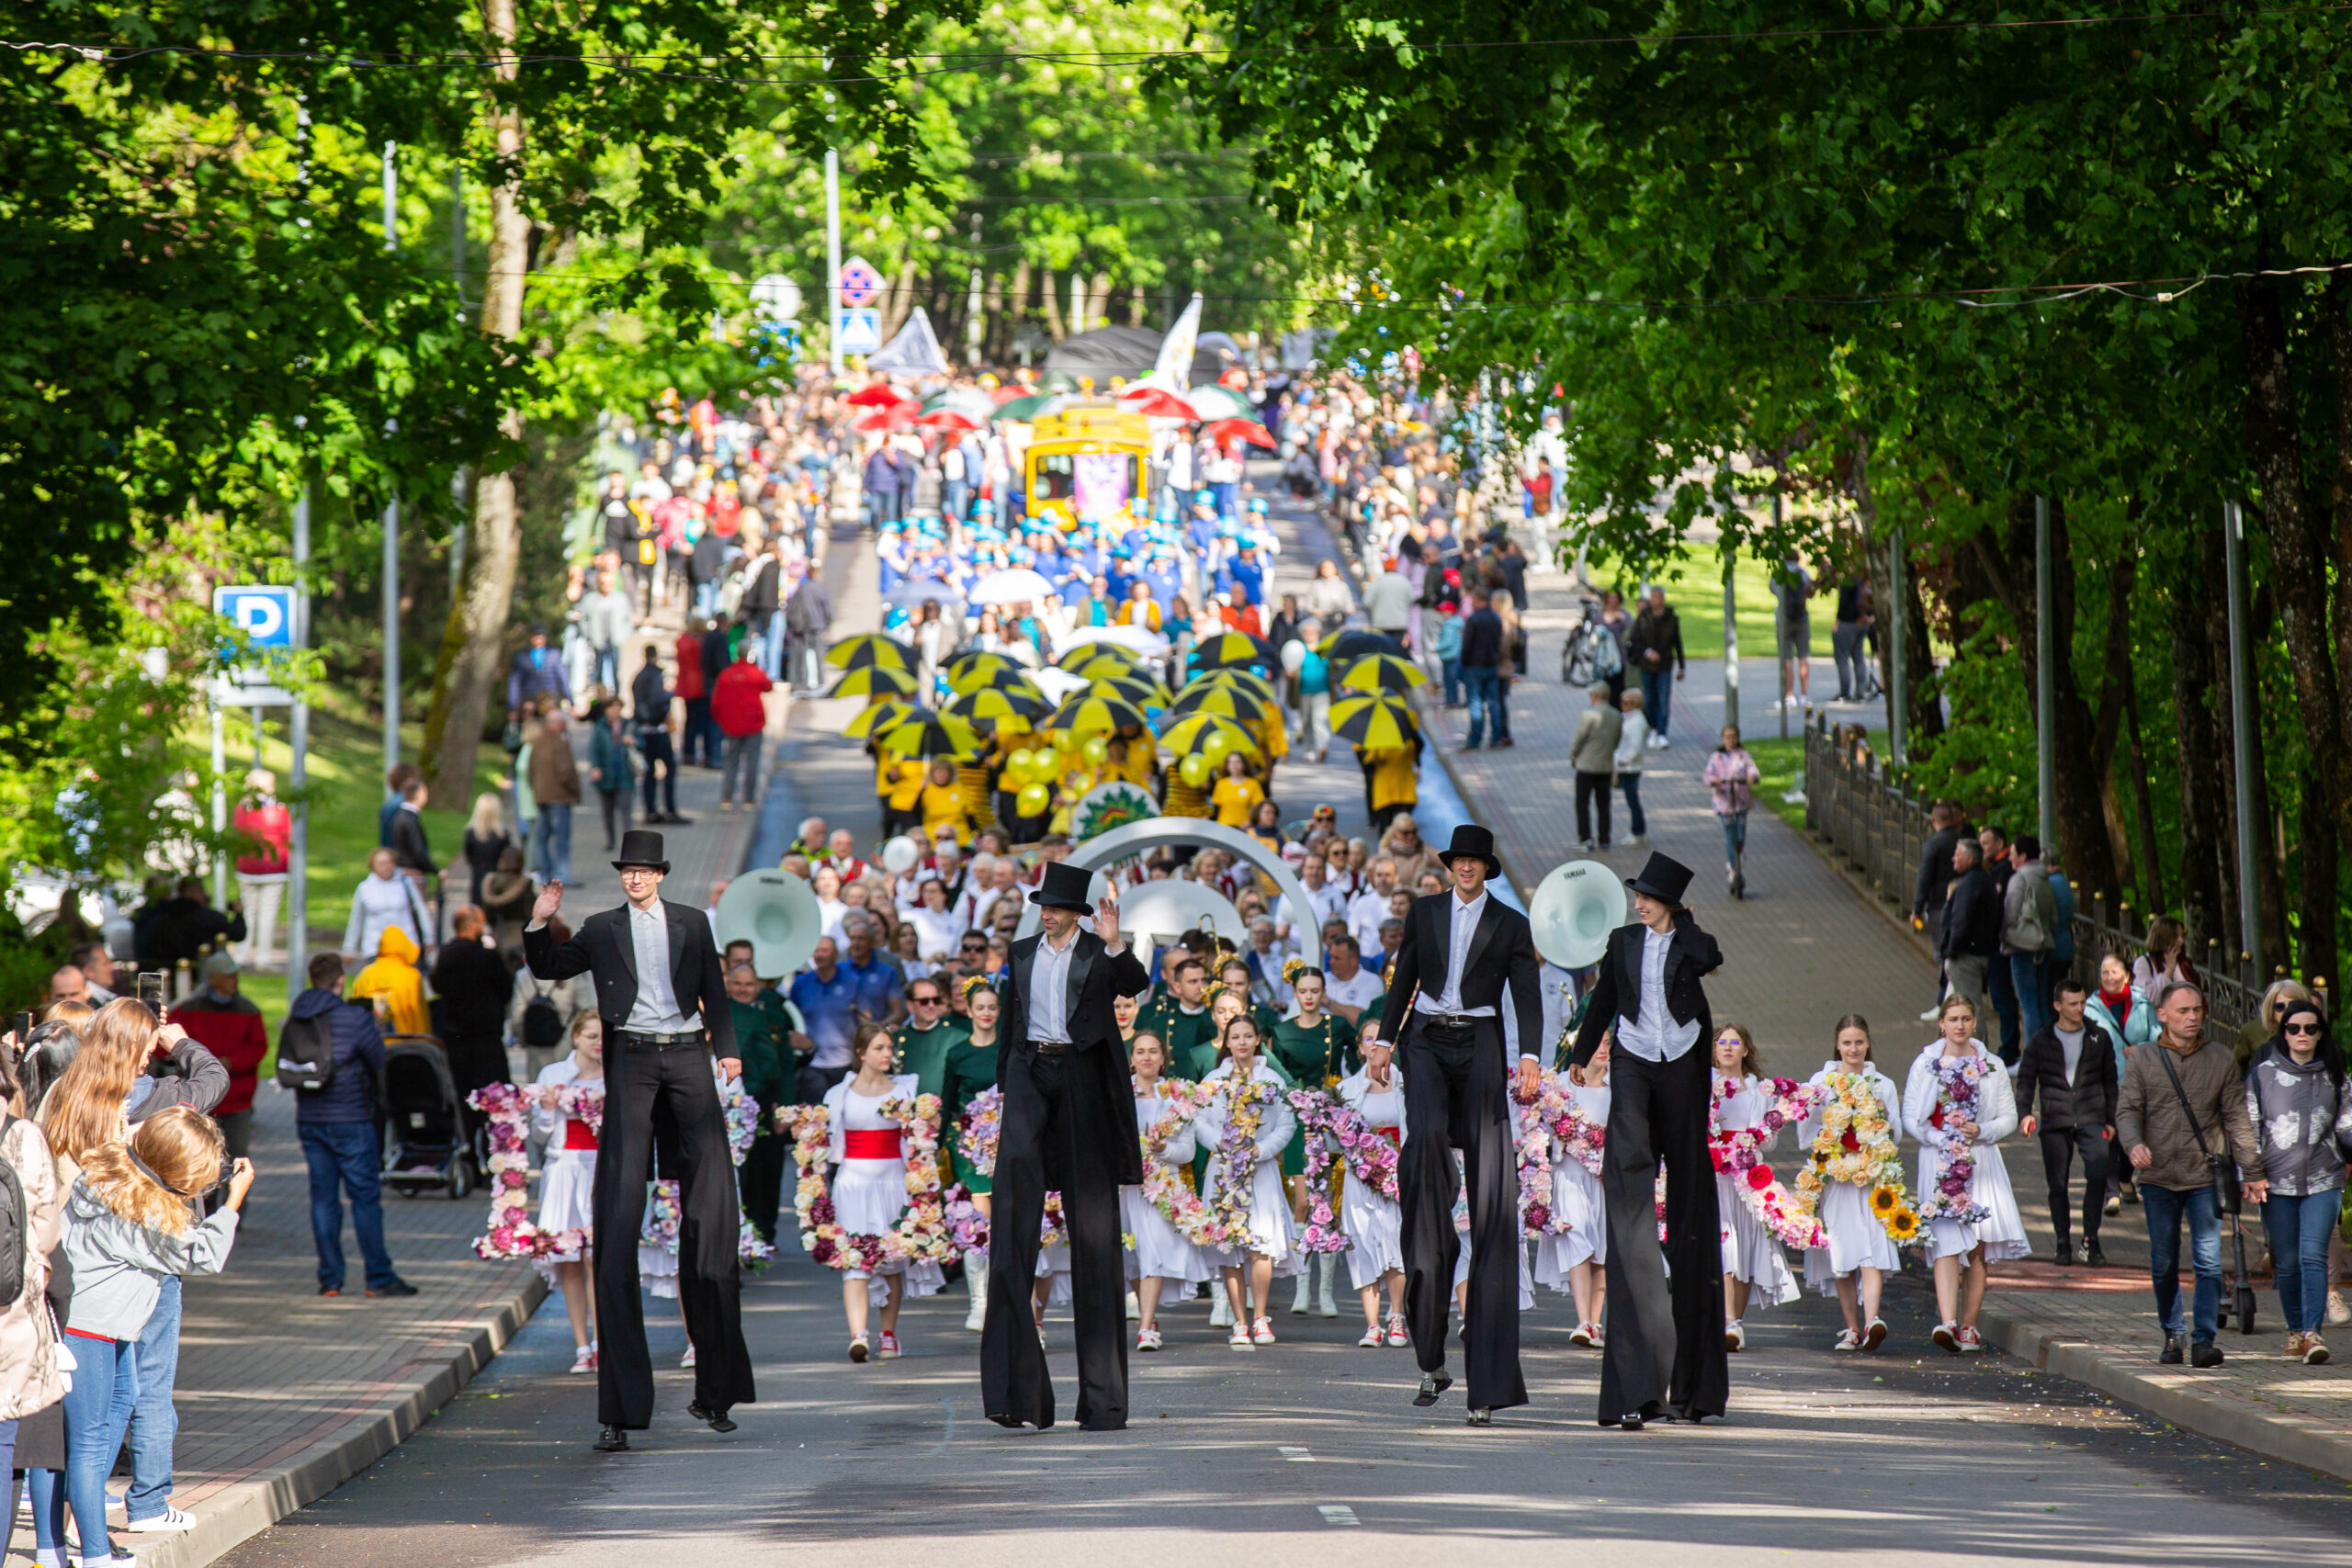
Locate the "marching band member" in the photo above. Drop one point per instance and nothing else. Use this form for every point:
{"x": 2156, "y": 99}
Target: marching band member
{"x": 1576, "y": 1260}
{"x": 567, "y": 1189}
{"x": 870, "y": 1183}
{"x": 1860, "y": 1254}
{"x": 1161, "y": 1254}
{"x": 1269, "y": 1214}
{"x": 1373, "y": 1223}
{"x": 1752, "y": 1256}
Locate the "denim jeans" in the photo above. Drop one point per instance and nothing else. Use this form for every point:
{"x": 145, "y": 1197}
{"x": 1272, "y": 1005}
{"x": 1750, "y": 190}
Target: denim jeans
{"x": 1657, "y": 696}
{"x": 1734, "y": 837}
{"x": 1631, "y": 784}
{"x": 2026, "y": 972}
{"x": 1450, "y": 669}
{"x": 1480, "y": 684}
{"x": 772, "y": 659}
{"x": 105, "y": 1387}
{"x": 2165, "y": 1208}
{"x": 345, "y": 1158}
{"x": 2299, "y": 1230}
{"x": 154, "y": 1422}
{"x": 608, "y": 668}
{"x": 706, "y": 600}
{"x": 554, "y": 852}
{"x": 742, "y": 763}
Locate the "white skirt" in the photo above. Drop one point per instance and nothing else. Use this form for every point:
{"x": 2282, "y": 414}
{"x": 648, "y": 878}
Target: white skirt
{"x": 2003, "y": 1229}
{"x": 1053, "y": 1263}
{"x": 1161, "y": 1251}
{"x": 1576, "y": 1197}
{"x": 1375, "y": 1231}
{"x": 1856, "y": 1240}
{"x": 1526, "y": 1276}
{"x": 567, "y": 1194}
{"x": 1270, "y": 1233}
{"x": 1749, "y": 1251}
{"x": 868, "y": 1197}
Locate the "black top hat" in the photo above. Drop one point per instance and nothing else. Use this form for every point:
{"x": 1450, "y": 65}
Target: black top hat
{"x": 1063, "y": 887}
{"x": 1664, "y": 879}
{"x": 1471, "y": 840}
{"x": 640, "y": 847}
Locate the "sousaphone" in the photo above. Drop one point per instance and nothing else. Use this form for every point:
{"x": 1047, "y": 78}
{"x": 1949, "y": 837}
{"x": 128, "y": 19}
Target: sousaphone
{"x": 1575, "y": 909}
{"x": 776, "y": 913}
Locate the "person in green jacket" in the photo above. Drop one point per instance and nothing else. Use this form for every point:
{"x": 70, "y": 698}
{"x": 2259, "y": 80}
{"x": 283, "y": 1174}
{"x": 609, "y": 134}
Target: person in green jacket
{"x": 969, "y": 1072}
{"x": 1179, "y": 1016}
{"x": 922, "y": 1045}
{"x": 765, "y": 1048}
{"x": 1234, "y": 976}
{"x": 1317, "y": 1048}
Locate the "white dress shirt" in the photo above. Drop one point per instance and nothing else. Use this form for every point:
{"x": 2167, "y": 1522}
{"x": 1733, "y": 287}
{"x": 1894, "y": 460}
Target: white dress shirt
{"x": 1049, "y": 990}
{"x": 1655, "y": 1036}
{"x": 656, "y": 1010}
{"x": 1462, "y": 927}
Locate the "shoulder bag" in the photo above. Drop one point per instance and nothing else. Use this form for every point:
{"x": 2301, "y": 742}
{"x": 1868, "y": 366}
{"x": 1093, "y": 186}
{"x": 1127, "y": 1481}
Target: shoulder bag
{"x": 2229, "y": 1196}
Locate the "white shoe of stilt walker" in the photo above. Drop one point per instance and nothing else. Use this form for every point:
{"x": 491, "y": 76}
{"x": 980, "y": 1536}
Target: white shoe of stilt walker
{"x": 976, "y": 1281}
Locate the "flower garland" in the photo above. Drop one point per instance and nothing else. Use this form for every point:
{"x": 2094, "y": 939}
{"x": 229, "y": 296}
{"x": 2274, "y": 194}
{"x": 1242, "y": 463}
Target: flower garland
{"x": 585, "y": 1102}
{"x": 978, "y": 1129}
{"x": 1956, "y": 1093}
{"x": 1371, "y": 1156}
{"x": 921, "y": 1232}
{"x": 661, "y": 1219}
{"x": 1738, "y": 1153}
{"x": 967, "y": 1227}
{"x": 1854, "y": 1146}
{"x": 511, "y": 1231}
{"x": 1314, "y": 1109}
{"x": 1237, "y": 1152}
{"x": 1163, "y": 1187}
{"x": 1532, "y": 1134}
{"x": 1582, "y": 1139}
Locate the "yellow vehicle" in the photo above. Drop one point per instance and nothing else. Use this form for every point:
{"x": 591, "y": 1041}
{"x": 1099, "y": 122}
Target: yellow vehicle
{"x": 1087, "y": 462}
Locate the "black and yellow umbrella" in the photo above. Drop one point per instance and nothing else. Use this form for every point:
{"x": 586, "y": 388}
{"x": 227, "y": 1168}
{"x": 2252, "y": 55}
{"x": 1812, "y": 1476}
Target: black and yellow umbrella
{"x": 1079, "y": 659}
{"x": 992, "y": 712}
{"x": 923, "y": 735}
{"x": 1381, "y": 672}
{"x": 875, "y": 681}
{"x": 1095, "y": 715}
{"x": 1374, "y": 723}
{"x": 1140, "y": 690}
{"x": 970, "y": 671}
{"x": 869, "y": 648}
{"x": 1227, "y": 650}
{"x": 880, "y": 714}
{"x": 1108, "y": 670}
{"x": 1227, "y": 699}
{"x": 1191, "y": 736}
{"x": 1234, "y": 678}
{"x": 1355, "y": 642}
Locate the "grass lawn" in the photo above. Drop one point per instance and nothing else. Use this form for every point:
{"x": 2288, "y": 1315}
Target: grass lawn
{"x": 1694, "y": 588}
{"x": 1782, "y": 763}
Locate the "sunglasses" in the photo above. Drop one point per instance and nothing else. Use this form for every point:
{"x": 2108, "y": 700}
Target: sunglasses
{"x": 2312, "y": 1029}
{"x": 925, "y": 1001}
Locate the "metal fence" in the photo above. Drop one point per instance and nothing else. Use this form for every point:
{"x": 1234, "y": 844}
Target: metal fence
{"x": 1875, "y": 824}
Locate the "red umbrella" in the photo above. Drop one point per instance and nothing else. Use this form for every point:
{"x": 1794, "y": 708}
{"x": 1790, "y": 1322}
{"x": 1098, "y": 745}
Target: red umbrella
{"x": 950, "y": 418}
{"x": 878, "y": 395}
{"x": 1156, "y": 402}
{"x": 1224, "y": 432}
{"x": 898, "y": 416}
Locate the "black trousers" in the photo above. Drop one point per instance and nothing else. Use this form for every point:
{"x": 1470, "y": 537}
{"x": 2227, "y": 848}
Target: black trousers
{"x": 643, "y": 1083}
{"x": 2059, "y": 1145}
{"x": 655, "y": 749}
{"x": 1457, "y": 1096}
{"x": 1665, "y": 1352}
{"x": 1015, "y": 1385}
{"x": 1592, "y": 795}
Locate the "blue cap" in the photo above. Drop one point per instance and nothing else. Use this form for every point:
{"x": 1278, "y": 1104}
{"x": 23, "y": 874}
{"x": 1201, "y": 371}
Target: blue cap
{"x": 1257, "y": 503}
{"x": 1205, "y": 498}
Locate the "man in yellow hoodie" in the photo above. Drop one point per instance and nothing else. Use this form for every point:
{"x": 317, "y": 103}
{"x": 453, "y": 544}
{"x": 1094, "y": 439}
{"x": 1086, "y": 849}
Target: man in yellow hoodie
{"x": 394, "y": 985}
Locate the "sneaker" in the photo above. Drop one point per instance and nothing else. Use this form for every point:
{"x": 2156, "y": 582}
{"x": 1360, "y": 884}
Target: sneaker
{"x": 329, "y": 1290}
{"x": 1847, "y": 1340}
{"x": 1599, "y": 1338}
{"x": 2294, "y": 1352}
{"x": 169, "y": 1521}
{"x": 2173, "y": 1353}
{"x": 1147, "y": 1338}
{"x": 1875, "y": 1335}
{"x": 1948, "y": 1335}
{"x": 2114, "y": 1203}
{"x": 1929, "y": 1016}
{"x": 1135, "y": 1308}
{"x": 889, "y": 1352}
{"x": 2337, "y": 1311}
{"x": 1582, "y": 1336}
{"x": 1735, "y": 1335}
{"x": 1372, "y": 1338}
{"x": 395, "y": 1286}
{"x": 1971, "y": 1341}
{"x": 1638, "y": 841}
{"x": 2314, "y": 1351}
{"x": 859, "y": 1350}
{"x": 1262, "y": 1331}
{"x": 2205, "y": 1353}
{"x": 2092, "y": 1257}
{"x": 1239, "y": 1340}
{"x": 689, "y": 1359}
{"x": 1398, "y": 1337}
{"x": 584, "y": 1359}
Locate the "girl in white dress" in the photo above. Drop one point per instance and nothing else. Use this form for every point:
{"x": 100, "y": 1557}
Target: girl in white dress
{"x": 568, "y": 1182}
{"x": 1373, "y": 1223}
{"x": 1160, "y": 1253}
{"x": 870, "y": 1184}
{"x": 1752, "y": 1258}
{"x": 1954, "y": 1244}
{"x": 1861, "y": 1255}
{"x": 1269, "y": 1250}
{"x": 1576, "y": 1261}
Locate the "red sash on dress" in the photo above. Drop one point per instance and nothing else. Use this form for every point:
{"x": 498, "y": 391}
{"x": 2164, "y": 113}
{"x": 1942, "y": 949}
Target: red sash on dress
{"x": 577, "y": 1134}
{"x": 880, "y": 1142}
{"x": 1394, "y": 1135}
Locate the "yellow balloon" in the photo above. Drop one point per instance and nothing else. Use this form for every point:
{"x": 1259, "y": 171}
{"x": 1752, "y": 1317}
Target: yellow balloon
{"x": 1034, "y": 799}
{"x": 1017, "y": 766}
{"x": 1213, "y": 748}
{"x": 1095, "y": 749}
{"x": 1064, "y": 741}
{"x": 1193, "y": 771}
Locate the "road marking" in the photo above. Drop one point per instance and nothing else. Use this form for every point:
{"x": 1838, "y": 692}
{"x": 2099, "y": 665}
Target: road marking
{"x": 947, "y": 1436}
{"x": 1296, "y": 1456}
{"x": 1338, "y": 1514}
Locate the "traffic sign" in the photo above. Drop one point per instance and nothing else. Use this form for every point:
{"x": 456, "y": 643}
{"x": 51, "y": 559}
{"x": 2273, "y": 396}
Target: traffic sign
{"x": 776, "y": 297}
{"x": 264, "y": 614}
{"x": 859, "y": 281}
{"x": 858, "y": 332}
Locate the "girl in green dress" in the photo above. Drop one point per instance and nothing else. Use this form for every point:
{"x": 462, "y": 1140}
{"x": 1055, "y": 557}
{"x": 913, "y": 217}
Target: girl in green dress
{"x": 971, "y": 1070}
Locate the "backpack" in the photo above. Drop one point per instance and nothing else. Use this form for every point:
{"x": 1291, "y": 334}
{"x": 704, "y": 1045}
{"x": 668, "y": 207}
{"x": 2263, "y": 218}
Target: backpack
{"x": 542, "y": 1023}
{"x": 306, "y": 1054}
{"x": 1607, "y": 657}
{"x": 13, "y": 1219}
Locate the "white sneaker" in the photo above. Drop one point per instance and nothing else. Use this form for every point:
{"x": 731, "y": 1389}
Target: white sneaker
{"x": 1929, "y": 1016}
{"x": 1658, "y": 742}
{"x": 2337, "y": 1312}
{"x": 1240, "y": 1339}
{"x": 689, "y": 1359}
{"x": 1372, "y": 1338}
{"x": 1735, "y": 1335}
{"x": 584, "y": 1359}
{"x": 1847, "y": 1340}
{"x": 167, "y": 1522}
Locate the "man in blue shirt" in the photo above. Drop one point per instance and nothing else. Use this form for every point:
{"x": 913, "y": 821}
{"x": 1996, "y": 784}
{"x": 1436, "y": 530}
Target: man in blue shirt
{"x": 536, "y": 671}
{"x": 826, "y": 995}
{"x": 881, "y": 984}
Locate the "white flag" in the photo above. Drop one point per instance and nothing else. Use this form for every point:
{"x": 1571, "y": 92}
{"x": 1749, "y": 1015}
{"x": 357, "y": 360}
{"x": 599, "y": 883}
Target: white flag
{"x": 1175, "y": 370}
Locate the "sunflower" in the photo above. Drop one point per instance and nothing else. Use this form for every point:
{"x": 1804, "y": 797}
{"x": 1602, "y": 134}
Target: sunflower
{"x": 1884, "y": 1201}
{"x": 1903, "y": 1226}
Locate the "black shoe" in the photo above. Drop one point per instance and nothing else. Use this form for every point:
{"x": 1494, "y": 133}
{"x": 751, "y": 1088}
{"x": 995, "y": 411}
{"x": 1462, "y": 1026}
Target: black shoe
{"x": 2063, "y": 1255}
{"x": 611, "y": 1440}
{"x": 1480, "y": 1416}
{"x": 1432, "y": 1385}
{"x": 1631, "y": 1421}
{"x": 395, "y": 1286}
{"x": 2172, "y": 1352}
{"x": 2205, "y": 1354}
{"x": 717, "y": 1419}
{"x": 2092, "y": 1257}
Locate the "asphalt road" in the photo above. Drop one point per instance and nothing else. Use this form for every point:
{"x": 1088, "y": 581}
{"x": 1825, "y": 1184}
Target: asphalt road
{"x": 1910, "y": 1457}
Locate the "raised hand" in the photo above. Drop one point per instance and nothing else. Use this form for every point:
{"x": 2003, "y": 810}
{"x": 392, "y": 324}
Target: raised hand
{"x": 1106, "y": 918}
{"x": 549, "y": 900}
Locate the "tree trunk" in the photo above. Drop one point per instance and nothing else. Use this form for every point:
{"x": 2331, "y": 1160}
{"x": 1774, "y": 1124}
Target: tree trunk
{"x": 2143, "y": 805}
{"x": 1052, "y": 308}
{"x": 1926, "y": 697}
{"x": 2201, "y": 785}
{"x": 465, "y": 671}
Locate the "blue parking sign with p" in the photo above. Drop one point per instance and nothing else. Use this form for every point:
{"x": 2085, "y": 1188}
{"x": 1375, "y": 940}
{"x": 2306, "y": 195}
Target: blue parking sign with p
{"x": 266, "y": 616}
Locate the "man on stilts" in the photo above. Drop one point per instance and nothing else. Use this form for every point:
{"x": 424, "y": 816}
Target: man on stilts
{"x": 1460, "y": 948}
{"x": 1665, "y": 1356}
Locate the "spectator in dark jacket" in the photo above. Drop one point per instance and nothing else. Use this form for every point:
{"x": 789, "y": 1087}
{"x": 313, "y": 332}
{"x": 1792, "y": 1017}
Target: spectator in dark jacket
{"x": 537, "y": 672}
{"x": 1482, "y": 656}
{"x": 1935, "y": 884}
{"x": 338, "y": 1126}
{"x": 231, "y": 1028}
{"x": 807, "y": 615}
{"x": 649, "y": 698}
{"x": 1972, "y": 923}
{"x": 2066, "y": 1087}
{"x": 189, "y": 922}
{"x": 473, "y": 986}
{"x": 411, "y": 850}
{"x": 1654, "y": 647}
{"x": 718, "y": 653}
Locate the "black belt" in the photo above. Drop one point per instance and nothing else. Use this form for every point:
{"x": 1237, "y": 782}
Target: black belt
{"x": 659, "y": 1042}
{"x": 1451, "y": 1022}
{"x": 1049, "y": 1047}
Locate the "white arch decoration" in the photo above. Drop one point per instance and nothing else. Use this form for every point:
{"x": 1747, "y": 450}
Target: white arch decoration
{"x": 1157, "y": 832}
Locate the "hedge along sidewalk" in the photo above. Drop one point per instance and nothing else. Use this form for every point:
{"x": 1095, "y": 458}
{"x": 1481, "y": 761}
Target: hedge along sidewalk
{"x": 282, "y": 1393}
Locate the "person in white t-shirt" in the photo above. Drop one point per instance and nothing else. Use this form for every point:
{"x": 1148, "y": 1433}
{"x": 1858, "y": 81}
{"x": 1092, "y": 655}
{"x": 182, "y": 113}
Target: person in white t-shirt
{"x": 1348, "y": 986}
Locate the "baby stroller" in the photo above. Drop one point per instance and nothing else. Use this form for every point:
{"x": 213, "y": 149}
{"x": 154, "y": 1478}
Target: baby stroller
{"x": 426, "y": 1142}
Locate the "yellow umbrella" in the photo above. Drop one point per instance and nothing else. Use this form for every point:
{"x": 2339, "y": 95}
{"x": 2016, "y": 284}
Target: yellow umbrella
{"x": 1091, "y": 714}
{"x": 1143, "y": 693}
{"x": 1381, "y": 672}
{"x": 880, "y": 714}
{"x": 1086, "y": 653}
{"x": 1229, "y": 648}
{"x": 1226, "y": 698}
{"x": 924, "y": 734}
{"x": 1374, "y": 723}
{"x": 867, "y": 649}
{"x": 1237, "y": 679}
{"x": 1191, "y": 735}
{"x": 874, "y": 680}
{"x": 970, "y": 671}
{"x": 990, "y": 711}
{"x": 1103, "y": 669}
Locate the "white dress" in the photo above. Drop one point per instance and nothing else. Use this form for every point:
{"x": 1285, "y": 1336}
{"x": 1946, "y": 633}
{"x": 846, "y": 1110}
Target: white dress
{"x": 870, "y": 1195}
{"x": 568, "y": 1178}
{"x": 1857, "y": 1240}
{"x": 1750, "y": 1252}
{"x": 1576, "y": 1197}
{"x": 1270, "y": 1222}
{"x": 1161, "y": 1251}
{"x": 2003, "y": 1229}
{"x": 1375, "y": 1225}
